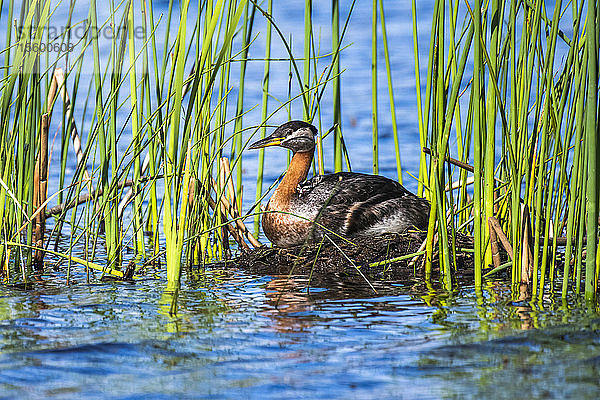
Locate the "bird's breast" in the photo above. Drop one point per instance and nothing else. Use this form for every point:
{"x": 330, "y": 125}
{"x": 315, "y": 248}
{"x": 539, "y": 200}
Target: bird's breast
{"x": 283, "y": 228}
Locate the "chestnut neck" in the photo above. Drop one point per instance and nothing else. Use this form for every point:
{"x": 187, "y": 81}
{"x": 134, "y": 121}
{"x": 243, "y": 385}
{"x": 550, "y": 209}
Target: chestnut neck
{"x": 296, "y": 173}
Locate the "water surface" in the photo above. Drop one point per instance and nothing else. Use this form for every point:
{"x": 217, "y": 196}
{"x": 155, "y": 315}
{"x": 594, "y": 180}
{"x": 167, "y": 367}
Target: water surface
{"x": 242, "y": 336}
{"x": 238, "y": 336}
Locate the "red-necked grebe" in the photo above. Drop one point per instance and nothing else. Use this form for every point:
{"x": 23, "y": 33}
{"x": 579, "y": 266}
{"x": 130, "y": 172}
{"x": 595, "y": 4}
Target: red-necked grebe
{"x": 348, "y": 204}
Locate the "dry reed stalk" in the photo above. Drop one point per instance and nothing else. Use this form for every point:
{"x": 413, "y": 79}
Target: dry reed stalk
{"x": 223, "y": 229}
{"x": 40, "y": 179}
{"x": 494, "y": 244}
{"x": 523, "y": 311}
{"x": 59, "y": 78}
{"x": 238, "y": 222}
{"x": 225, "y": 208}
{"x": 230, "y": 227}
{"x": 226, "y": 168}
{"x": 52, "y": 94}
{"x": 526, "y": 253}
{"x": 59, "y": 208}
{"x": 191, "y": 191}
{"x": 40, "y": 191}
{"x": 415, "y": 258}
{"x": 495, "y": 225}
{"x": 453, "y": 161}
{"x": 228, "y": 188}
{"x": 458, "y": 184}
{"x": 320, "y": 163}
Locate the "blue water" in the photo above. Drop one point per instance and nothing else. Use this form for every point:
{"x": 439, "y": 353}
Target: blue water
{"x": 242, "y": 336}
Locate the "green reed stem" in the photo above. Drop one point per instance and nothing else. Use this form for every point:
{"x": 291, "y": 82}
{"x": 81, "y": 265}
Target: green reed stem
{"x": 575, "y": 197}
{"x": 174, "y": 243}
{"x": 593, "y": 147}
{"x": 307, "y": 47}
{"x": 489, "y": 154}
{"x": 153, "y": 146}
{"x": 478, "y": 136}
{"x": 240, "y": 104}
{"x": 388, "y": 70}
{"x": 265, "y": 102}
{"x": 136, "y": 134}
{"x": 375, "y": 142}
{"x": 548, "y": 126}
{"x": 337, "y": 99}
{"x": 104, "y": 142}
{"x": 422, "y": 127}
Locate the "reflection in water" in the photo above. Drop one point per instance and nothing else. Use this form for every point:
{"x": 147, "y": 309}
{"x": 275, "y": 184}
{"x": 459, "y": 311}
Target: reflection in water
{"x": 239, "y": 336}
{"x": 550, "y": 363}
{"x": 293, "y": 306}
{"x": 288, "y": 304}
{"x": 270, "y": 337}
{"x": 523, "y": 311}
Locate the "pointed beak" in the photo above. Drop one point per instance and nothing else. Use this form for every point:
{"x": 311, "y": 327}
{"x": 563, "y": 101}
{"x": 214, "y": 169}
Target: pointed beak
{"x": 266, "y": 142}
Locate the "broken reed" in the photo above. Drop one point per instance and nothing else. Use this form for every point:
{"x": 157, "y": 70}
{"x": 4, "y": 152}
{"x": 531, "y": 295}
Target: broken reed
{"x": 504, "y": 73}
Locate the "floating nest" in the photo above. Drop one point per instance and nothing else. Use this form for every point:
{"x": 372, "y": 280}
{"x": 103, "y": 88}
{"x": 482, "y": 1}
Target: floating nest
{"x": 388, "y": 257}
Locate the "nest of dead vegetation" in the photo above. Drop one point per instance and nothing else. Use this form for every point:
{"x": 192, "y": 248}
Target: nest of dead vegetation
{"x": 389, "y": 257}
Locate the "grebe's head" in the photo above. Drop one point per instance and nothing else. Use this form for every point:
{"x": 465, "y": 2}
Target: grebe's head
{"x": 298, "y": 136}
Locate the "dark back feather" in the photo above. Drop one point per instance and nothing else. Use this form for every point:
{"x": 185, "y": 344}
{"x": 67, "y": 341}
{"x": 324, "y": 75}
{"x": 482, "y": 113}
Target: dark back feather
{"x": 351, "y": 203}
